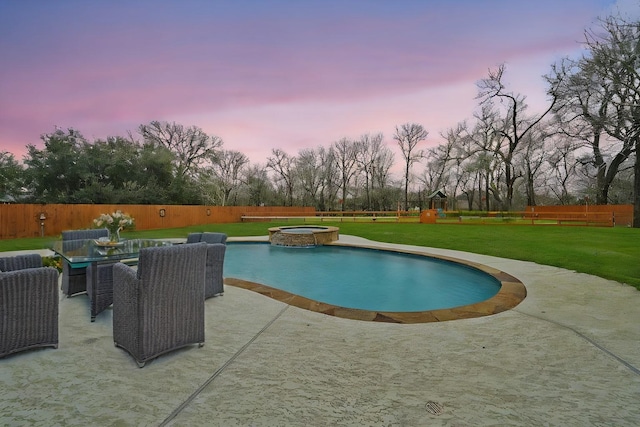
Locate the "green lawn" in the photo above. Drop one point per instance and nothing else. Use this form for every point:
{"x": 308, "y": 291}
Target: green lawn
{"x": 612, "y": 253}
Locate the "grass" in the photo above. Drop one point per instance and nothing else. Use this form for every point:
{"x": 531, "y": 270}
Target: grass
{"x": 611, "y": 253}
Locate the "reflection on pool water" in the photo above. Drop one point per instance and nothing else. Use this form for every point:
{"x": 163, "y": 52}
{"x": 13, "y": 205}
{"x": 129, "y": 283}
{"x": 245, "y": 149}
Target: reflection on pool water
{"x": 366, "y": 279}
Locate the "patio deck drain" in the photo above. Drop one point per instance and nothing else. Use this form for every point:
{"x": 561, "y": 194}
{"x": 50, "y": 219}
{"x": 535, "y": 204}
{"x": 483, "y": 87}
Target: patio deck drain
{"x": 434, "y": 408}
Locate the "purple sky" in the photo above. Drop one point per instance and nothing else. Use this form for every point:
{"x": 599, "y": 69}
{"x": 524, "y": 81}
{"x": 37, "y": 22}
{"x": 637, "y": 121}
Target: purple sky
{"x": 271, "y": 74}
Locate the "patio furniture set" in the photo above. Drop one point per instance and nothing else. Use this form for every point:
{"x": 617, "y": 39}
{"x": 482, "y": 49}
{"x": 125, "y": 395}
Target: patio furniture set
{"x": 157, "y": 307}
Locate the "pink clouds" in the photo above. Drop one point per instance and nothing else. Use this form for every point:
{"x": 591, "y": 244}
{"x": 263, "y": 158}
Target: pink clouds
{"x": 267, "y": 74}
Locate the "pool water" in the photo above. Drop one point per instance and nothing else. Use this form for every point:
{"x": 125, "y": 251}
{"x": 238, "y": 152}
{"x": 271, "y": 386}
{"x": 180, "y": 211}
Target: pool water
{"x": 366, "y": 279}
{"x": 294, "y": 230}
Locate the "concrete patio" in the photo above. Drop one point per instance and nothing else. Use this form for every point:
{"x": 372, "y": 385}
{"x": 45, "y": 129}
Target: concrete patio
{"x": 568, "y": 355}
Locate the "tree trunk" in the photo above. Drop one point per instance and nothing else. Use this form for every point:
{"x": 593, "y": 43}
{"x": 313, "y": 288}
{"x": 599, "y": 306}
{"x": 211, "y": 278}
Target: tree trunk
{"x": 406, "y": 188}
{"x": 480, "y": 192}
{"x": 531, "y": 195}
{"x": 509, "y": 182}
{"x": 636, "y": 187}
{"x": 486, "y": 193}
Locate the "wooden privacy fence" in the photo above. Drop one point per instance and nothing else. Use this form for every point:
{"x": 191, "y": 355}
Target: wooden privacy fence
{"x": 605, "y": 215}
{"x": 593, "y": 215}
{"x": 25, "y": 220}
{"x": 342, "y": 216}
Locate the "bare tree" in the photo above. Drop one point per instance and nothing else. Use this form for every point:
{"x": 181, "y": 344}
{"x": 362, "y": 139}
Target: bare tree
{"x": 447, "y": 165}
{"x": 329, "y": 183}
{"x": 191, "y": 146}
{"x": 408, "y": 136}
{"x": 257, "y": 184}
{"x": 382, "y": 168}
{"x": 562, "y": 164}
{"x": 367, "y": 149}
{"x": 345, "y": 159}
{"x": 516, "y": 124}
{"x": 308, "y": 171}
{"x": 614, "y": 62}
{"x": 585, "y": 109}
{"x": 476, "y": 151}
{"x": 437, "y": 170}
{"x": 533, "y": 160}
{"x": 283, "y": 166}
{"x": 384, "y": 196}
{"x": 227, "y": 168}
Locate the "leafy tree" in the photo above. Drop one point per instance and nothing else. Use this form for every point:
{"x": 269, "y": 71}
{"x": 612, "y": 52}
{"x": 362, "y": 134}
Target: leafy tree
{"x": 11, "y": 178}
{"x": 55, "y": 174}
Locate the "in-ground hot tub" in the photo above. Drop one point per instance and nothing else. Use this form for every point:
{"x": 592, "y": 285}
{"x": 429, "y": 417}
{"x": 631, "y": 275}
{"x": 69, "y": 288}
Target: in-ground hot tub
{"x": 303, "y": 235}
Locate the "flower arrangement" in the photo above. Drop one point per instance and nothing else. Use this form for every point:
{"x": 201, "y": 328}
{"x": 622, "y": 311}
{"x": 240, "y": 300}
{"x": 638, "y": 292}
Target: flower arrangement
{"x": 114, "y": 222}
{"x": 52, "y": 261}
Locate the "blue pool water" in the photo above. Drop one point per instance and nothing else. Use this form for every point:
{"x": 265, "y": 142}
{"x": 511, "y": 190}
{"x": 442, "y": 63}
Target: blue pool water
{"x": 366, "y": 279}
{"x": 307, "y": 229}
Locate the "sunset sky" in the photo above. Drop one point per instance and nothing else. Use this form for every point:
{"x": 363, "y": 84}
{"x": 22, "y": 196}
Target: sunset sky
{"x": 272, "y": 74}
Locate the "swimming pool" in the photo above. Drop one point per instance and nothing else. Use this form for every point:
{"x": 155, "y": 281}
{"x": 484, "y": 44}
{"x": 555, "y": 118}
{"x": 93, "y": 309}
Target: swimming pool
{"x": 363, "y": 279}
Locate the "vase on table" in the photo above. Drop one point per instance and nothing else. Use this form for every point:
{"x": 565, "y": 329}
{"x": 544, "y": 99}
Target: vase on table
{"x": 114, "y": 236}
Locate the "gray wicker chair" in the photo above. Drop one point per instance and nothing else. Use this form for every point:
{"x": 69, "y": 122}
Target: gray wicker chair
{"x": 207, "y": 237}
{"x": 28, "y": 304}
{"x": 215, "y": 260}
{"x": 74, "y": 280}
{"x": 160, "y": 307}
{"x": 100, "y": 293}
{"x": 20, "y": 262}
{"x": 214, "y": 281}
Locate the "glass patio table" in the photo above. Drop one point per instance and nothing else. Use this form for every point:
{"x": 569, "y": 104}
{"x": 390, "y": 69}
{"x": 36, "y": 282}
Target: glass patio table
{"x": 81, "y": 253}
{"x": 100, "y": 256}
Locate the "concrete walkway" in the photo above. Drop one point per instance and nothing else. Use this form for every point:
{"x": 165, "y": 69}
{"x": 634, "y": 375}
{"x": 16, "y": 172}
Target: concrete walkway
{"x": 568, "y": 355}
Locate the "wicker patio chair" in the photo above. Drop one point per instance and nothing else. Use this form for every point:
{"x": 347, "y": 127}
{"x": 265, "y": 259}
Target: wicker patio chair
{"x": 214, "y": 238}
{"x": 160, "y": 307}
{"x": 28, "y": 304}
{"x": 215, "y": 260}
{"x": 20, "y": 262}
{"x": 207, "y": 237}
{"x": 74, "y": 280}
{"x": 100, "y": 293}
{"x": 194, "y": 237}
{"x": 214, "y": 281}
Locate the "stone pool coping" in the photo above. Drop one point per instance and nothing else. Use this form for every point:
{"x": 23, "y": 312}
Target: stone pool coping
{"x": 512, "y": 292}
